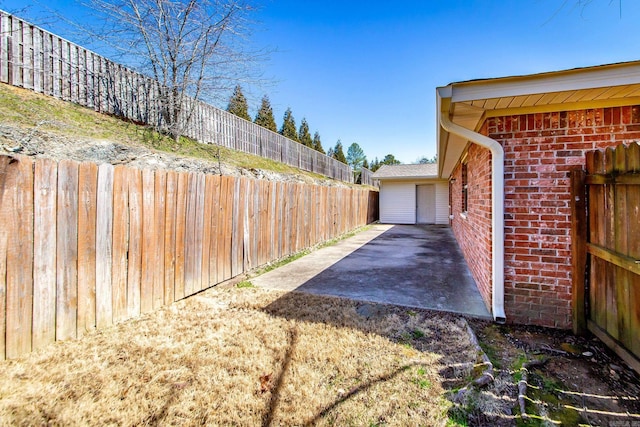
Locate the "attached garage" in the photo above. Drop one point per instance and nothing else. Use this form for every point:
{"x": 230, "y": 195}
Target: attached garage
{"x": 412, "y": 194}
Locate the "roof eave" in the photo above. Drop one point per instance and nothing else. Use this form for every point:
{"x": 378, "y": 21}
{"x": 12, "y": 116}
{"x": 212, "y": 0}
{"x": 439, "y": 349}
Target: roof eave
{"x": 470, "y": 103}
{"x": 575, "y": 79}
{"x": 400, "y": 178}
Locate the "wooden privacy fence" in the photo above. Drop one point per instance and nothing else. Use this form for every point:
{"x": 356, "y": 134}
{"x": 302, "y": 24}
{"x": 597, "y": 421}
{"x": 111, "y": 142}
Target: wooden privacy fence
{"x": 35, "y": 59}
{"x": 606, "y": 249}
{"x": 366, "y": 177}
{"x": 83, "y": 246}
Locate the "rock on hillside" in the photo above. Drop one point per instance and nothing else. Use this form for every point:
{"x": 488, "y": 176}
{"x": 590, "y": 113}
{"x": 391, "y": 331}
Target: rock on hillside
{"x": 40, "y": 143}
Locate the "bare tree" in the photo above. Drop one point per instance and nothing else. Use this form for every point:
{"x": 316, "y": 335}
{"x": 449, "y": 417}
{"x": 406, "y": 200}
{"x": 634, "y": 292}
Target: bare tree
{"x": 192, "y": 48}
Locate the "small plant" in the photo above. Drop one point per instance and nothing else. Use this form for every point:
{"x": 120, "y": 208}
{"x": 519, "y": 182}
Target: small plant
{"x": 412, "y": 313}
{"x": 245, "y": 284}
{"x": 405, "y": 338}
{"x": 417, "y": 334}
{"x": 420, "y": 381}
{"x": 457, "y": 417}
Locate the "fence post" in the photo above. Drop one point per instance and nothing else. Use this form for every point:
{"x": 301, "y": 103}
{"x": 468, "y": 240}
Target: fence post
{"x": 578, "y": 250}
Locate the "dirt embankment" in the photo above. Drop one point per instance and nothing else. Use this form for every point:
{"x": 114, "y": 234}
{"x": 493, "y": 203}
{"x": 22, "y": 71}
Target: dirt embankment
{"x": 39, "y": 142}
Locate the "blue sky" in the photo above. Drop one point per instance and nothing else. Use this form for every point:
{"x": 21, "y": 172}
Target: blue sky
{"x": 366, "y": 71}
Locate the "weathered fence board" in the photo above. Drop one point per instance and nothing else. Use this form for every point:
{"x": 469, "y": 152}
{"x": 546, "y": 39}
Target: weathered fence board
{"x": 108, "y": 243}
{"x": 206, "y": 231}
{"x": 199, "y": 225}
{"x": 134, "y": 264}
{"x": 104, "y": 221}
{"x": 6, "y": 217}
{"x": 160, "y": 206}
{"x": 44, "y": 259}
{"x": 87, "y": 212}
{"x": 67, "y": 250}
{"x": 181, "y": 215}
{"x": 148, "y": 241}
{"x": 17, "y": 199}
{"x": 190, "y": 236}
{"x": 170, "y": 237}
{"x": 214, "y": 187}
{"x": 227, "y": 226}
{"x": 119, "y": 276}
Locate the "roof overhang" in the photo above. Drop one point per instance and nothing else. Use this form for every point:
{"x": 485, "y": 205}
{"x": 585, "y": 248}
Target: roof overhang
{"x": 470, "y": 103}
{"x": 408, "y": 178}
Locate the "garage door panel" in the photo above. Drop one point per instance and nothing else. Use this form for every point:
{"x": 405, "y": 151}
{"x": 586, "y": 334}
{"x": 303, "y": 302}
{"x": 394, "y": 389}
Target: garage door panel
{"x": 398, "y": 203}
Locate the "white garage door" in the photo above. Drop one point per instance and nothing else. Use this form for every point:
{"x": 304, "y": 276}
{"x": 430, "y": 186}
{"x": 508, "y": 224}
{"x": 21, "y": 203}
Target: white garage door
{"x": 397, "y": 203}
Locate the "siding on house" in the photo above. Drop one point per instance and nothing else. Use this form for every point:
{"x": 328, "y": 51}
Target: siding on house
{"x": 540, "y": 150}
{"x": 397, "y": 202}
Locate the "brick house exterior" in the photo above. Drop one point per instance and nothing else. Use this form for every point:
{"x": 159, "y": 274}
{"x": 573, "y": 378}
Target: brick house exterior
{"x": 539, "y": 148}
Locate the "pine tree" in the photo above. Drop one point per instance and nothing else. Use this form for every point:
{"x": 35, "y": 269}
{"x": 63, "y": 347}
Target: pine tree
{"x": 304, "y": 135}
{"x": 375, "y": 165}
{"x": 288, "y": 129}
{"x": 264, "y": 117}
{"x": 238, "y": 104}
{"x": 317, "y": 144}
{"x": 355, "y": 156}
{"x": 390, "y": 159}
{"x": 365, "y": 163}
{"x": 338, "y": 153}
{"x": 330, "y": 153}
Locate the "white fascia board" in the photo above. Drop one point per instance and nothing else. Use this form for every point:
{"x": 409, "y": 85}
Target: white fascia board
{"x": 442, "y": 93}
{"x": 585, "y": 78}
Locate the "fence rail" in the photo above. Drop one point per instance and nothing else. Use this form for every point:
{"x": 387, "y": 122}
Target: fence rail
{"x": 35, "y": 59}
{"x": 83, "y": 246}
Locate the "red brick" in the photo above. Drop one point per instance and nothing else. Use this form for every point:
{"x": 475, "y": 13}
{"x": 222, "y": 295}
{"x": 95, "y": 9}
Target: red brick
{"x": 540, "y": 150}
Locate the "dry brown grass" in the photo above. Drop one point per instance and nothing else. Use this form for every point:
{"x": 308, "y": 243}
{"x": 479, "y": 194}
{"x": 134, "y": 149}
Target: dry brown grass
{"x": 245, "y": 357}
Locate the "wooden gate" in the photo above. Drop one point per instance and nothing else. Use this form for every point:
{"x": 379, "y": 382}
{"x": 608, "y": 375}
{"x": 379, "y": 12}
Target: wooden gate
{"x": 606, "y": 249}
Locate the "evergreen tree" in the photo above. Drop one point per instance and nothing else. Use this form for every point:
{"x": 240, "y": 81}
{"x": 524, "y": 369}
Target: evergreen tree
{"x": 375, "y": 165}
{"x": 317, "y": 144}
{"x": 355, "y": 156}
{"x": 238, "y": 104}
{"x": 425, "y": 161}
{"x": 390, "y": 159}
{"x": 288, "y": 129}
{"x": 365, "y": 164}
{"x": 330, "y": 153}
{"x": 303, "y": 134}
{"x": 338, "y": 153}
{"x": 264, "y": 117}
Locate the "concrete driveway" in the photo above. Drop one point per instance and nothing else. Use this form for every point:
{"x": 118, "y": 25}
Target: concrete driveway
{"x": 415, "y": 266}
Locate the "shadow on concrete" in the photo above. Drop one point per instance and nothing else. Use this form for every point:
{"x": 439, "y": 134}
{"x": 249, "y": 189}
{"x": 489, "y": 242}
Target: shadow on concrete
{"x": 381, "y": 282}
{"x": 407, "y": 265}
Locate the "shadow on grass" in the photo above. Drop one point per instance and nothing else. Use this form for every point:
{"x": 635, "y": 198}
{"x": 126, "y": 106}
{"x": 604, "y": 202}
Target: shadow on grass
{"x": 395, "y": 323}
{"x": 277, "y": 387}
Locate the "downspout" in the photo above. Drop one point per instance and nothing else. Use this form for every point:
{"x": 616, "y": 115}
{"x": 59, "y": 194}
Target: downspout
{"x": 497, "y": 207}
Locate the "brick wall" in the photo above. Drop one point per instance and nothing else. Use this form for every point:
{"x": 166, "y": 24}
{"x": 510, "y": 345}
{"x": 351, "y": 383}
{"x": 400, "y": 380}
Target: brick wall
{"x": 540, "y": 150}
{"x": 477, "y": 220}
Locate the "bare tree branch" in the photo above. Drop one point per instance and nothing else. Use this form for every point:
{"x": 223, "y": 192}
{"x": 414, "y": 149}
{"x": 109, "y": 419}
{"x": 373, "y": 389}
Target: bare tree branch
{"x": 192, "y": 48}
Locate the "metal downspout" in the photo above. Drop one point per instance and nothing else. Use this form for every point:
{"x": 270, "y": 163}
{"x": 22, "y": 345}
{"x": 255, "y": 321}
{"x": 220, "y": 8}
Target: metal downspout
{"x": 497, "y": 205}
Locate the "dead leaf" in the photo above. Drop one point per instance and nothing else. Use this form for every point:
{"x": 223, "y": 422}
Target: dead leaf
{"x": 265, "y": 383}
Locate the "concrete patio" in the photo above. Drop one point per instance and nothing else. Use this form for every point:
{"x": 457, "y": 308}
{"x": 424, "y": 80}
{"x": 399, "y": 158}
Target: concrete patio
{"x": 414, "y": 266}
